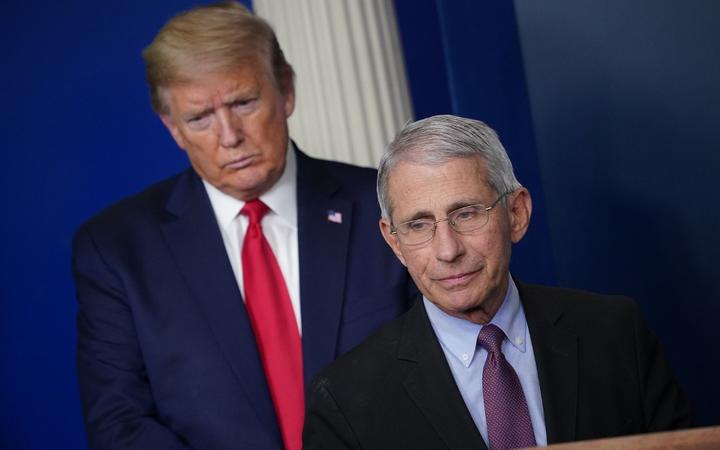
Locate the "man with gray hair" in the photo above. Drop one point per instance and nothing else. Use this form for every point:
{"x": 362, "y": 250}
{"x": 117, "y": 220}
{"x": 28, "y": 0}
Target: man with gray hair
{"x": 484, "y": 360}
{"x": 207, "y": 300}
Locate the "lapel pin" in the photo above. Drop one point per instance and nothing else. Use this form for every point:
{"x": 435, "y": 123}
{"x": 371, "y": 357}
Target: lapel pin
{"x": 334, "y": 216}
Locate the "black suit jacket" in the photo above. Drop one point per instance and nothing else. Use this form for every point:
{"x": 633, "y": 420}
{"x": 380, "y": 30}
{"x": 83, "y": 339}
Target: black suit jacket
{"x": 601, "y": 373}
{"x": 166, "y": 357}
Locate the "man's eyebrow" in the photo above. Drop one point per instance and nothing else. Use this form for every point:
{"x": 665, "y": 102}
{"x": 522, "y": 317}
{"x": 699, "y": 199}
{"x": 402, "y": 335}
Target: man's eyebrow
{"x": 418, "y": 215}
{"x": 240, "y": 94}
{"x": 463, "y": 203}
{"x": 424, "y": 214}
{"x": 196, "y": 113}
{"x": 236, "y": 97}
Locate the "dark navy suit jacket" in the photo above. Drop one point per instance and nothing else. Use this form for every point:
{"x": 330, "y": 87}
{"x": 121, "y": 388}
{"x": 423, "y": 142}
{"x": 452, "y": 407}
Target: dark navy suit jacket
{"x": 166, "y": 357}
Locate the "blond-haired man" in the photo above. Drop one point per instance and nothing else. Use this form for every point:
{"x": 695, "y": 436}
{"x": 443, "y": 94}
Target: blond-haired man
{"x": 207, "y": 300}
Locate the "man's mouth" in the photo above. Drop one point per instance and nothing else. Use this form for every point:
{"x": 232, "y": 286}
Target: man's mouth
{"x": 241, "y": 163}
{"x": 457, "y": 279}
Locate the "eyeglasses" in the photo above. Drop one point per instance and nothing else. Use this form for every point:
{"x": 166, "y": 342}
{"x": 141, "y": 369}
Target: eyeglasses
{"x": 462, "y": 220}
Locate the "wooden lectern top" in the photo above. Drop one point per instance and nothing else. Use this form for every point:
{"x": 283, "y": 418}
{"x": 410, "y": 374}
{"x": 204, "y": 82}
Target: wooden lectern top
{"x": 693, "y": 439}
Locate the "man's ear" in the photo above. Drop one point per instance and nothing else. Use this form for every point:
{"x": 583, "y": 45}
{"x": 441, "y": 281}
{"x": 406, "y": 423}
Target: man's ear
{"x": 173, "y": 129}
{"x": 391, "y": 239}
{"x": 289, "y": 95}
{"x": 519, "y": 210}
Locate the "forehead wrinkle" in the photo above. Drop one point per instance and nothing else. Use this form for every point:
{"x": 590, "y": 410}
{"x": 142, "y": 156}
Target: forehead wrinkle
{"x": 223, "y": 84}
{"x": 189, "y": 102}
{"x": 457, "y": 187}
{"x": 198, "y": 103}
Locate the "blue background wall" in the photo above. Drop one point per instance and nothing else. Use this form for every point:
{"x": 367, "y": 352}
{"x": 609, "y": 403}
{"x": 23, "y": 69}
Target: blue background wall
{"x": 608, "y": 110}
{"x": 626, "y": 106}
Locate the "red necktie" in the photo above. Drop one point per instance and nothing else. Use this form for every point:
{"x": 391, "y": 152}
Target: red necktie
{"x": 508, "y": 419}
{"x": 273, "y": 322}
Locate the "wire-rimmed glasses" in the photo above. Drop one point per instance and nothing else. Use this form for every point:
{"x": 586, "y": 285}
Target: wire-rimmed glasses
{"x": 462, "y": 220}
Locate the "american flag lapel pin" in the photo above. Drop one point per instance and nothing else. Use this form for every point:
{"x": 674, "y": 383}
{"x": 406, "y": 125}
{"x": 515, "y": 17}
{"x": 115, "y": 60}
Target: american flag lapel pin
{"x": 334, "y": 216}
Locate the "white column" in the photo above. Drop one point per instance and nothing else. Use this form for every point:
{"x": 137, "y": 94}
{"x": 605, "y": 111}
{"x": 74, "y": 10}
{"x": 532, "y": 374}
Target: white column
{"x": 351, "y": 89}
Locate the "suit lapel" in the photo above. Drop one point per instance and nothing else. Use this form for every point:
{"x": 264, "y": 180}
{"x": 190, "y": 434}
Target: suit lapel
{"x": 323, "y": 246}
{"x": 430, "y": 384}
{"x": 556, "y": 358}
{"x": 195, "y": 241}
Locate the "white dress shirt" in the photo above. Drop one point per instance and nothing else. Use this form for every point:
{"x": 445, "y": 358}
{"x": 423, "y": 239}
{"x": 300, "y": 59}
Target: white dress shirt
{"x": 279, "y": 227}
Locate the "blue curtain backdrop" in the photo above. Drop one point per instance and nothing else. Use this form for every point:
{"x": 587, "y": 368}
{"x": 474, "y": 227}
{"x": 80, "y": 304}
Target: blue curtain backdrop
{"x": 607, "y": 110}
{"x": 81, "y": 136}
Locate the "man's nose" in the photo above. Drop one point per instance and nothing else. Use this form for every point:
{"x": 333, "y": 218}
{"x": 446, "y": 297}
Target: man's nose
{"x": 447, "y": 243}
{"x": 230, "y": 128}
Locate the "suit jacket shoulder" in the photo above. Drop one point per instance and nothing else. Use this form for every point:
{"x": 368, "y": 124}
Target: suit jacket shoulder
{"x": 144, "y": 209}
{"x": 546, "y": 304}
{"x": 334, "y": 178}
{"x": 601, "y": 369}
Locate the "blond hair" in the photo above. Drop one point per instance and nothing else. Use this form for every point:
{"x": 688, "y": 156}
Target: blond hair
{"x": 213, "y": 38}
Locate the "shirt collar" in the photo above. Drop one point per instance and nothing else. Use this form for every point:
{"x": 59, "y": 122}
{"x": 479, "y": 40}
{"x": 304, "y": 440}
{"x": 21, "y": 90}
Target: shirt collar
{"x": 511, "y": 318}
{"x": 280, "y": 198}
{"x": 459, "y": 336}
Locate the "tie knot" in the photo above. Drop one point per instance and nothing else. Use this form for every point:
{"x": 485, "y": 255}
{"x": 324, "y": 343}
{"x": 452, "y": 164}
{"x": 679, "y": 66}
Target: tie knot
{"x": 491, "y": 337}
{"x": 255, "y": 210}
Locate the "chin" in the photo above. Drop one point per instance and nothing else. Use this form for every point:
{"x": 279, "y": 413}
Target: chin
{"x": 246, "y": 183}
{"x": 462, "y": 306}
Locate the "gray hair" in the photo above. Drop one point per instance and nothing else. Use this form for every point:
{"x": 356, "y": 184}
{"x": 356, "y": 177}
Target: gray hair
{"x": 439, "y": 139}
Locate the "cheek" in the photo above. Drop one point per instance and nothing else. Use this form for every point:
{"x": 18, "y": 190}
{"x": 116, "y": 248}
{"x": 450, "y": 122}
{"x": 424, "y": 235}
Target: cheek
{"x": 204, "y": 146}
{"x": 417, "y": 264}
{"x": 202, "y": 153}
{"x": 497, "y": 258}
{"x": 261, "y": 134}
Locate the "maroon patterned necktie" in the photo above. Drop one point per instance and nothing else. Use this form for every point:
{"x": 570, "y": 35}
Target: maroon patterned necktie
{"x": 506, "y": 411}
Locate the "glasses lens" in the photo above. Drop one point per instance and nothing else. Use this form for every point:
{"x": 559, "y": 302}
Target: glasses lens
{"x": 416, "y": 232}
{"x": 469, "y": 218}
